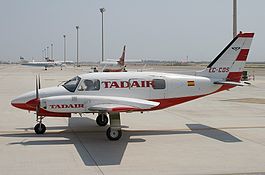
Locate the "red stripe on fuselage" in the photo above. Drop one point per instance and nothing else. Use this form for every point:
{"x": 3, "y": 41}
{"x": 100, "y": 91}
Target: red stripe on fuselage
{"x": 124, "y": 109}
{"x": 42, "y": 112}
{"x": 165, "y": 103}
{"x": 243, "y": 54}
{"x": 24, "y": 106}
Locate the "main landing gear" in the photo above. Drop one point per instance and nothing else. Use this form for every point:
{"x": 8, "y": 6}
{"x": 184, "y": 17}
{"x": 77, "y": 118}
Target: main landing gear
{"x": 39, "y": 128}
{"x": 114, "y": 131}
{"x": 102, "y": 119}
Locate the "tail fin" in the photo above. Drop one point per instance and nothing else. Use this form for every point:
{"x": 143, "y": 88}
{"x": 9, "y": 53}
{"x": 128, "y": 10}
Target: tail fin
{"x": 49, "y": 60}
{"x": 22, "y": 60}
{"x": 229, "y": 64}
{"x": 121, "y": 60}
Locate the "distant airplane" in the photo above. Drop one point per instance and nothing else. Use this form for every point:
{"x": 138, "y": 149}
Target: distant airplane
{"x": 45, "y": 64}
{"x": 113, "y": 65}
{"x": 110, "y": 94}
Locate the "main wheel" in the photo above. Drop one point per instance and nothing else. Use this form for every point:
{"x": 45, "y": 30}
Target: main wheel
{"x": 102, "y": 120}
{"x": 113, "y": 134}
{"x": 40, "y": 128}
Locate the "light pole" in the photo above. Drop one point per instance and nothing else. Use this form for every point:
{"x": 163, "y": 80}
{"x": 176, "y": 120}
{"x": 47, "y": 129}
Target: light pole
{"x": 77, "y": 63}
{"x": 102, "y": 10}
{"x": 47, "y": 52}
{"x": 42, "y": 53}
{"x": 234, "y": 18}
{"x": 64, "y": 48}
{"x": 51, "y": 51}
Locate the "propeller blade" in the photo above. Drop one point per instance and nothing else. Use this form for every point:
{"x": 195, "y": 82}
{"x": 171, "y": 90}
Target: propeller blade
{"x": 37, "y": 88}
{"x": 37, "y": 110}
{"x": 39, "y": 82}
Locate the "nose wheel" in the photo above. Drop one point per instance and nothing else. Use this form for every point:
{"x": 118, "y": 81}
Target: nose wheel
{"x": 40, "y": 128}
{"x": 102, "y": 119}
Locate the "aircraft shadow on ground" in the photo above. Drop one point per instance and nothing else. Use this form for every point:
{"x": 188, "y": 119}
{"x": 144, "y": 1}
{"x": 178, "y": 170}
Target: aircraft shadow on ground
{"x": 95, "y": 149}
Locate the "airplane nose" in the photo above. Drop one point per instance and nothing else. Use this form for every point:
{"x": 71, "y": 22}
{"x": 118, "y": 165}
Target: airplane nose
{"x": 22, "y": 100}
{"x": 17, "y": 102}
{"x": 13, "y": 102}
{"x": 28, "y": 100}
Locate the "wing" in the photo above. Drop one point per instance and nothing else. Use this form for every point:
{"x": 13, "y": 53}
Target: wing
{"x": 120, "y": 104}
{"x": 82, "y": 103}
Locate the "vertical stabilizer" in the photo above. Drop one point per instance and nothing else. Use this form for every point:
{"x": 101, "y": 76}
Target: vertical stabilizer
{"x": 229, "y": 64}
{"x": 121, "y": 60}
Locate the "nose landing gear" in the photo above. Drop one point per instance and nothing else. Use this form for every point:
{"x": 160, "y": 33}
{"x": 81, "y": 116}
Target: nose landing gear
{"x": 39, "y": 128}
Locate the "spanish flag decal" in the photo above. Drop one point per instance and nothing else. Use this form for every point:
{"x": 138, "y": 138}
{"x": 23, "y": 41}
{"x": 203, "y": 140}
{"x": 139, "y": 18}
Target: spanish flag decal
{"x": 190, "y": 83}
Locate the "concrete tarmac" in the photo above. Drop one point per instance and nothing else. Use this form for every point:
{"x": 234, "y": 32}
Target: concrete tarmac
{"x": 218, "y": 134}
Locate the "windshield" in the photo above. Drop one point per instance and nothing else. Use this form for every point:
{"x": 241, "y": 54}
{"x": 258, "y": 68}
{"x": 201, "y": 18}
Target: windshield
{"x": 71, "y": 85}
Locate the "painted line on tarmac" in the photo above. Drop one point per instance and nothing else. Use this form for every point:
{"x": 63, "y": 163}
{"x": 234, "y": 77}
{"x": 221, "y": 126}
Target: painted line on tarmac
{"x": 130, "y": 130}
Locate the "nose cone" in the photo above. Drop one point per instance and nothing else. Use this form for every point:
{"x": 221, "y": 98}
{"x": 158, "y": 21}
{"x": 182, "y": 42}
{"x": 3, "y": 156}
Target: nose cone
{"x": 16, "y": 103}
{"x": 28, "y": 100}
{"x": 21, "y": 101}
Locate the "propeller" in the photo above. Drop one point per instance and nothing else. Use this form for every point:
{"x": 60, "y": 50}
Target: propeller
{"x": 37, "y": 95}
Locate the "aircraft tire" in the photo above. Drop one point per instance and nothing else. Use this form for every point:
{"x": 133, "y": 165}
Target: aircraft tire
{"x": 113, "y": 134}
{"x": 40, "y": 128}
{"x": 102, "y": 120}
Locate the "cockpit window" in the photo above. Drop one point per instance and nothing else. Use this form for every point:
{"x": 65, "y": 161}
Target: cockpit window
{"x": 89, "y": 85}
{"x": 71, "y": 85}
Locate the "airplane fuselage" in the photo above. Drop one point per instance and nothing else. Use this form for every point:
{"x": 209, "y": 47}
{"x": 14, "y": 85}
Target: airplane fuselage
{"x": 167, "y": 89}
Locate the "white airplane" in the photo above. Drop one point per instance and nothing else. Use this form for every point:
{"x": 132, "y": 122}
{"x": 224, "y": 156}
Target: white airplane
{"x": 45, "y": 64}
{"x": 113, "y": 65}
{"x": 60, "y": 62}
{"x": 110, "y": 94}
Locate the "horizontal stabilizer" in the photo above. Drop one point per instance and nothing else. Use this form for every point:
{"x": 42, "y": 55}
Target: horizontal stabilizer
{"x": 232, "y": 83}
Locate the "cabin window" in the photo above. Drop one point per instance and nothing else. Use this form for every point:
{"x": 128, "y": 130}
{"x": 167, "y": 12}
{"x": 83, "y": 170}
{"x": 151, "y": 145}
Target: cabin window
{"x": 89, "y": 85}
{"x": 71, "y": 85}
{"x": 159, "y": 84}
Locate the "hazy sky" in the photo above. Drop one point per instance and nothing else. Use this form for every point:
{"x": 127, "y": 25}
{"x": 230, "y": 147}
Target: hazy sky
{"x": 151, "y": 29}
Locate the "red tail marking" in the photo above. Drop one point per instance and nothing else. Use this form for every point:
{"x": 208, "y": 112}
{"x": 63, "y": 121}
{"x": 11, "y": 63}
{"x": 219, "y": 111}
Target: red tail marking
{"x": 243, "y": 54}
{"x": 234, "y": 76}
{"x": 246, "y": 35}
